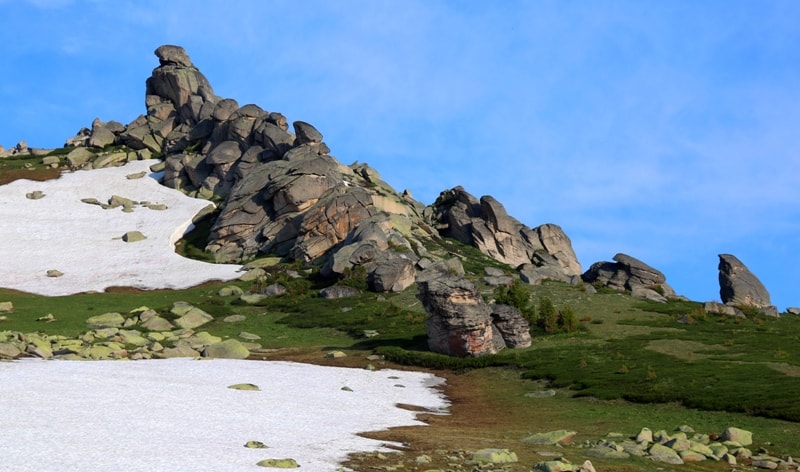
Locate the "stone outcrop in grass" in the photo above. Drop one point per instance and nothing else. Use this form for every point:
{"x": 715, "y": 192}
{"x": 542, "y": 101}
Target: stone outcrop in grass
{"x": 628, "y": 274}
{"x": 739, "y": 286}
{"x": 460, "y": 323}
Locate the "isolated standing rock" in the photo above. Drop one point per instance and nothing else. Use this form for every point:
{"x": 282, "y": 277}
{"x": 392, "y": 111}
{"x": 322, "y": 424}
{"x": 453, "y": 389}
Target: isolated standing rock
{"x": 739, "y": 286}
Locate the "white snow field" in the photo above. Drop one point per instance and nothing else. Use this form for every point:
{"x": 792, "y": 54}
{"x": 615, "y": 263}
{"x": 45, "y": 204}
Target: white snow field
{"x": 84, "y": 241}
{"x": 170, "y": 414}
{"x": 179, "y": 415}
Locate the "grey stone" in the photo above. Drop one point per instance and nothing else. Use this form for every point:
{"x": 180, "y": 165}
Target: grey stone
{"x": 394, "y": 275}
{"x": 228, "y": 349}
{"x": 306, "y": 133}
{"x": 193, "y": 318}
{"x": 157, "y": 323}
{"x": 739, "y": 286}
{"x": 133, "y": 236}
{"x": 6, "y": 307}
{"x": 339, "y": 291}
{"x": 106, "y": 320}
{"x": 662, "y": 453}
{"x": 494, "y": 456}
{"x": 561, "y": 436}
{"x": 740, "y": 436}
{"x": 79, "y": 156}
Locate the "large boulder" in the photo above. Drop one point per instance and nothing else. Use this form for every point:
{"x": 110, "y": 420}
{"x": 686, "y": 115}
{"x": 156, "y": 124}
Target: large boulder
{"x": 629, "y": 274}
{"x": 460, "y": 323}
{"x": 486, "y": 225}
{"x": 739, "y": 286}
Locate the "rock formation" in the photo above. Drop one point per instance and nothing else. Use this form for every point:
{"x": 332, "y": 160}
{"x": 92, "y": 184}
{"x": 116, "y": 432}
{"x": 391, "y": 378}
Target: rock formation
{"x": 739, "y": 286}
{"x": 460, "y": 323}
{"x": 281, "y": 192}
{"x": 485, "y": 224}
{"x": 629, "y": 274}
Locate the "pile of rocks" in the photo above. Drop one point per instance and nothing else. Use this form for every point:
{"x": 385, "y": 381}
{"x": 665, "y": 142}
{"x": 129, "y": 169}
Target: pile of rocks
{"x": 683, "y": 446}
{"x": 628, "y": 274}
{"x": 140, "y": 334}
{"x": 540, "y": 253}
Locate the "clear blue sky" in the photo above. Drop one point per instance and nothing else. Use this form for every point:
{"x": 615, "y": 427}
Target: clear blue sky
{"x": 664, "y": 130}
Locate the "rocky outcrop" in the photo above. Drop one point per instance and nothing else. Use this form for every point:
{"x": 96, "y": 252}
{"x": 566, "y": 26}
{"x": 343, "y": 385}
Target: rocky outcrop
{"x": 280, "y": 191}
{"x": 460, "y": 323}
{"x": 739, "y": 286}
{"x": 486, "y": 225}
{"x": 630, "y": 274}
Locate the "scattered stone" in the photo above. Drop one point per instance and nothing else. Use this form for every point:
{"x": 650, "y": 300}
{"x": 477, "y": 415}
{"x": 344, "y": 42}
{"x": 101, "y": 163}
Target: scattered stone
{"x": 249, "y": 336}
{"x": 541, "y": 394}
{"x": 645, "y": 436}
{"x": 136, "y": 176}
{"x": 253, "y": 298}
{"x": 35, "y": 195}
{"x": 339, "y": 291}
{"x": 230, "y": 291}
{"x": 740, "y": 436}
{"x": 228, "y": 349}
{"x": 234, "y": 318}
{"x": 255, "y": 445}
{"x": 54, "y": 273}
{"x": 561, "y": 436}
{"x": 157, "y": 323}
{"x": 691, "y": 456}
{"x": 106, "y": 320}
{"x": 494, "y": 456}
{"x": 245, "y": 386}
{"x": 279, "y": 463}
{"x": 335, "y": 355}
{"x": 133, "y": 236}
{"x": 193, "y": 318}
{"x": 662, "y": 453}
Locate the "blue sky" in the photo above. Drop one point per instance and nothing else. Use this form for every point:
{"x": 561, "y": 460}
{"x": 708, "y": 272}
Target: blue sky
{"x": 664, "y": 130}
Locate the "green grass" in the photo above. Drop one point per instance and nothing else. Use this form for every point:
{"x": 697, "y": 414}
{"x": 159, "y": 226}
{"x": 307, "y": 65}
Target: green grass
{"x": 633, "y": 363}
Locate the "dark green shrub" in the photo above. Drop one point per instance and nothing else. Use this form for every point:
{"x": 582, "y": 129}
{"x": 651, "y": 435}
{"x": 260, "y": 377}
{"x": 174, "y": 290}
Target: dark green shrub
{"x": 567, "y": 321}
{"x": 548, "y": 316}
{"x": 356, "y": 277}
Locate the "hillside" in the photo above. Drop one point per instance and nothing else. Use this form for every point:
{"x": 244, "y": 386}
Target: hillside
{"x": 336, "y": 260}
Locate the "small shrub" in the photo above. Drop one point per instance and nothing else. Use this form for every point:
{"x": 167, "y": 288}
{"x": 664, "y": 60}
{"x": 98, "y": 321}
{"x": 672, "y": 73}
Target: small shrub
{"x": 548, "y": 316}
{"x": 567, "y": 321}
{"x": 356, "y": 277}
{"x": 516, "y": 295}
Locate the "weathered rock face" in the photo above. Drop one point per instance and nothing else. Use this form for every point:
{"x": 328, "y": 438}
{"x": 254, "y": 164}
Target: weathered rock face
{"x": 460, "y": 323}
{"x": 629, "y": 274}
{"x": 281, "y": 192}
{"x": 485, "y": 224}
{"x": 739, "y": 286}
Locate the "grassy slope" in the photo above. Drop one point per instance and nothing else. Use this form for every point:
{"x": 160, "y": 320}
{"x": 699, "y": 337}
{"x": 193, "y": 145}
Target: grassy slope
{"x": 712, "y": 373}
